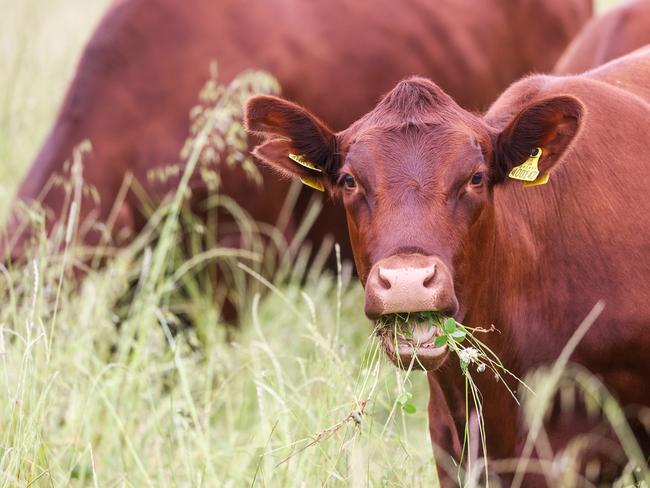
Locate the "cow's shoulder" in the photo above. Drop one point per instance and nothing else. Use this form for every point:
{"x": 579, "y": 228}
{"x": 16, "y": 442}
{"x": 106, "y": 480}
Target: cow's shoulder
{"x": 628, "y": 73}
{"x": 624, "y": 78}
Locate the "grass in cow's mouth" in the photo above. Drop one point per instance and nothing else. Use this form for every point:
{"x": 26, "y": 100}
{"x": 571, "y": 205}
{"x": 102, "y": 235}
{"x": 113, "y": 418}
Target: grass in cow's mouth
{"x": 459, "y": 338}
{"x": 472, "y": 353}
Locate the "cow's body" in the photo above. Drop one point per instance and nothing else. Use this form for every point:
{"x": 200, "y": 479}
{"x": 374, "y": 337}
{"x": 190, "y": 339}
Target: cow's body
{"x": 543, "y": 257}
{"x": 436, "y": 224}
{"x": 609, "y": 36}
{"x": 142, "y": 70}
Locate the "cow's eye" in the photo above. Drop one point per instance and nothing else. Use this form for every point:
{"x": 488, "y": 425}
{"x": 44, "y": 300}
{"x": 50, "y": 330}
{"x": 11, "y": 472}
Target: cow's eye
{"x": 349, "y": 182}
{"x": 477, "y": 178}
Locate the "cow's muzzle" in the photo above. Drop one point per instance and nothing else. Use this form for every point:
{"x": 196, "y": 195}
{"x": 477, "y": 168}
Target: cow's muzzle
{"x": 405, "y": 284}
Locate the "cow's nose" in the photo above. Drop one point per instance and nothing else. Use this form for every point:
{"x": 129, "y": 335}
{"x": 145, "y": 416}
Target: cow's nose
{"x": 390, "y": 277}
{"x": 409, "y": 283}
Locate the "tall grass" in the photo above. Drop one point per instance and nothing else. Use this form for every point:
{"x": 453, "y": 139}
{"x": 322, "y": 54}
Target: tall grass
{"x": 88, "y": 398}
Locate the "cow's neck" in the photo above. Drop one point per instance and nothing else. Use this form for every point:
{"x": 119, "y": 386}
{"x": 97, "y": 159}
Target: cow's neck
{"x": 499, "y": 269}
{"x": 494, "y": 275}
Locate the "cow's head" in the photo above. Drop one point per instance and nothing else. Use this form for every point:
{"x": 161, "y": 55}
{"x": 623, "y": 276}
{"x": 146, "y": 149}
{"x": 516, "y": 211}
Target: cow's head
{"x": 414, "y": 175}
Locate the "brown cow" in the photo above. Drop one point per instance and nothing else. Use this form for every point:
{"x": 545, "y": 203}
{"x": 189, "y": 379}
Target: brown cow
{"x": 614, "y": 34}
{"x": 142, "y": 70}
{"x": 436, "y": 224}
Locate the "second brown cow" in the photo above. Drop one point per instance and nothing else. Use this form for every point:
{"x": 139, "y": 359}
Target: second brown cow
{"x": 606, "y": 37}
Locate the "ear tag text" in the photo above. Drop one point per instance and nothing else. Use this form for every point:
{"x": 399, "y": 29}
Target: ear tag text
{"x": 310, "y": 181}
{"x": 528, "y": 170}
{"x": 541, "y": 180}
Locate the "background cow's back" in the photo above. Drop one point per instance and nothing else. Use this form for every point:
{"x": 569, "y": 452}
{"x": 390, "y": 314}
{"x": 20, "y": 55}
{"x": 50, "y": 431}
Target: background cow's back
{"x": 144, "y": 66}
{"x": 607, "y": 37}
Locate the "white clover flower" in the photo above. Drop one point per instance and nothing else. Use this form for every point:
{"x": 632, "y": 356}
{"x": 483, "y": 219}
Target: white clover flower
{"x": 481, "y": 367}
{"x": 468, "y": 355}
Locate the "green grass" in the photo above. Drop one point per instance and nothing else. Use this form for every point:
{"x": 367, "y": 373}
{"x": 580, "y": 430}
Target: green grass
{"x": 102, "y": 384}
{"x": 181, "y": 410}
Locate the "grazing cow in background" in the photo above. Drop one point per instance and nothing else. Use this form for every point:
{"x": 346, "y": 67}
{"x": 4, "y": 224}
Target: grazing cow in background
{"x": 143, "y": 68}
{"x": 618, "y": 32}
{"x": 437, "y": 224}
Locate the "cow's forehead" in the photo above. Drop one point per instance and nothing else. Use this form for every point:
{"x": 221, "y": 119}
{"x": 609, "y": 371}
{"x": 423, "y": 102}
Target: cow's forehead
{"x": 412, "y": 148}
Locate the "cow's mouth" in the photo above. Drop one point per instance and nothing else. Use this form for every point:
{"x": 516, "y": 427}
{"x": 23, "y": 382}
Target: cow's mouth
{"x": 409, "y": 341}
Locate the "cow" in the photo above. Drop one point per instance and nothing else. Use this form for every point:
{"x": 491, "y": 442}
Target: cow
{"x": 143, "y": 68}
{"x": 437, "y": 223}
{"x": 609, "y": 36}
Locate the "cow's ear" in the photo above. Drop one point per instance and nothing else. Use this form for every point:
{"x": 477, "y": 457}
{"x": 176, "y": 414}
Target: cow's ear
{"x": 296, "y": 143}
{"x": 550, "y": 125}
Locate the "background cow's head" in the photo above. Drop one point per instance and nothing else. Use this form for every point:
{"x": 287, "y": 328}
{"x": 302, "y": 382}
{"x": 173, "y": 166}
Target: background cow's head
{"x": 414, "y": 176}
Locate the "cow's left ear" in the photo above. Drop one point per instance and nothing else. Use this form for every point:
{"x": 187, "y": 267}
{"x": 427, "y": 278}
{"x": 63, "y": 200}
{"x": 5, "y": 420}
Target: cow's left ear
{"x": 549, "y": 124}
{"x": 296, "y": 143}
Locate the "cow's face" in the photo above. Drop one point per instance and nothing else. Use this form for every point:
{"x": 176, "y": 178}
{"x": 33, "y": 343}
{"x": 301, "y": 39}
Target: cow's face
{"x": 414, "y": 175}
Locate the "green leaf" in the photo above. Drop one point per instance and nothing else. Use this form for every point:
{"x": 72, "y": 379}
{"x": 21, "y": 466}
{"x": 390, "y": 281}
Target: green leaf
{"x": 409, "y": 408}
{"x": 440, "y": 341}
{"x": 459, "y": 335}
{"x": 449, "y": 325}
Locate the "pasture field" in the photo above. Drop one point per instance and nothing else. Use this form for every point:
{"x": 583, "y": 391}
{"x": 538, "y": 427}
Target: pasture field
{"x": 102, "y": 385}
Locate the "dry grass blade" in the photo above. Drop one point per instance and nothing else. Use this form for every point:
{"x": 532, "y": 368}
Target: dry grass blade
{"x": 355, "y": 416}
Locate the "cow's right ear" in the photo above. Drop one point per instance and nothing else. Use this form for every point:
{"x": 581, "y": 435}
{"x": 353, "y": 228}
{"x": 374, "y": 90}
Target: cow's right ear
{"x": 296, "y": 143}
{"x": 546, "y": 128}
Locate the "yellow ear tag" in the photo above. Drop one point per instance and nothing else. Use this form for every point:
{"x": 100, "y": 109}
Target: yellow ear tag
{"x": 528, "y": 170}
{"x": 300, "y": 159}
{"x": 310, "y": 181}
{"x": 541, "y": 180}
